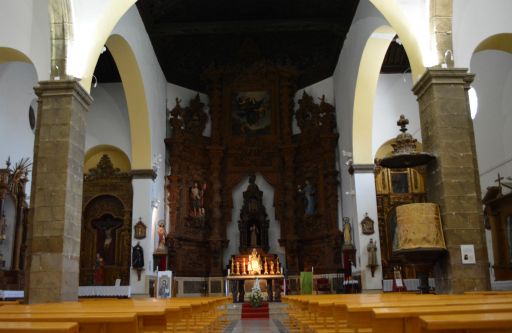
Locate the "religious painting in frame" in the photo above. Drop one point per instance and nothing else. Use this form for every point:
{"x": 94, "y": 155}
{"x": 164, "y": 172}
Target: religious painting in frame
{"x": 164, "y": 284}
{"x": 251, "y": 113}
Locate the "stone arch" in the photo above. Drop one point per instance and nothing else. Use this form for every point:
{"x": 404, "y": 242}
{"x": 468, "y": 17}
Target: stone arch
{"x": 366, "y": 86}
{"x": 8, "y": 54}
{"x": 136, "y": 102}
{"x": 500, "y": 42}
{"x": 397, "y": 20}
{"x": 369, "y": 71}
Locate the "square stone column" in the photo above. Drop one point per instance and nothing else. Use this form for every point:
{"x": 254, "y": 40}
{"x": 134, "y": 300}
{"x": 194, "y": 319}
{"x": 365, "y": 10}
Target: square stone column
{"x": 453, "y": 179}
{"x": 53, "y": 255}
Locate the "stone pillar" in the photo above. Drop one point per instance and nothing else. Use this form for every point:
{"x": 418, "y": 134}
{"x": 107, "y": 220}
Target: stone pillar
{"x": 452, "y": 179}
{"x": 441, "y": 30}
{"x": 56, "y": 214}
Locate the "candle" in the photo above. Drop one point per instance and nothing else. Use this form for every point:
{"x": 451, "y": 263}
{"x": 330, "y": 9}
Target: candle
{"x": 229, "y": 271}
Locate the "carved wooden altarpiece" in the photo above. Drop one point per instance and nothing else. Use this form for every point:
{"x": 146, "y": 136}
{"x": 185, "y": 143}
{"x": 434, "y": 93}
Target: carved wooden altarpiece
{"x": 13, "y": 227}
{"x": 251, "y": 111}
{"x": 106, "y": 223}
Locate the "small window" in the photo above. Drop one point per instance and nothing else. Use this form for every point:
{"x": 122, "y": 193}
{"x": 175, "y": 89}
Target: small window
{"x": 32, "y": 118}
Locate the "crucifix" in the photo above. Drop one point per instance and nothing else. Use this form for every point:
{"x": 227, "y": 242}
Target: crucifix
{"x": 499, "y": 183}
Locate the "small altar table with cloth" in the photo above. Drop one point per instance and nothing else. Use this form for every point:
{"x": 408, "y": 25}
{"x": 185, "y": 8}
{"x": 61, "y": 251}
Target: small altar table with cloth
{"x": 237, "y": 283}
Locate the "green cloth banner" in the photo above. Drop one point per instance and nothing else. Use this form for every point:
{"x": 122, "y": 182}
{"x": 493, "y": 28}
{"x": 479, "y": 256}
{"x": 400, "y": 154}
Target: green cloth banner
{"x": 306, "y": 283}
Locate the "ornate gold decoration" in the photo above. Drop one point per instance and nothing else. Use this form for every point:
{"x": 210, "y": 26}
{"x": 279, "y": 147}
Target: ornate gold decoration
{"x": 367, "y": 225}
{"x": 140, "y": 229}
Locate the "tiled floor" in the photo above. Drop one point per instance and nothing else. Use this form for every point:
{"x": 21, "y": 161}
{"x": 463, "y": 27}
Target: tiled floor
{"x": 255, "y": 326}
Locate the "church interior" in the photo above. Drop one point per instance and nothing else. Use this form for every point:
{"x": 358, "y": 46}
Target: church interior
{"x": 330, "y": 163}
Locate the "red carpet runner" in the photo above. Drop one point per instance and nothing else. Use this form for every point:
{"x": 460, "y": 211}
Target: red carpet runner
{"x": 249, "y": 312}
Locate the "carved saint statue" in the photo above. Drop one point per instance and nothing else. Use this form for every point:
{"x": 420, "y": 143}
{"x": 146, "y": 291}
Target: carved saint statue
{"x": 161, "y": 237}
{"x": 197, "y": 193}
{"x": 309, "y": 192}
{"x": 137, "y": 256}
{"x": 372, "y": 253}
{"x": 347, "y": 236}
{"x": 99, "y": 274}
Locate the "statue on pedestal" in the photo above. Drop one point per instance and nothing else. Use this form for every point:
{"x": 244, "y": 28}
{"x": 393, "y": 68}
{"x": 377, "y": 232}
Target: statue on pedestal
{"x": 254, "y": 263}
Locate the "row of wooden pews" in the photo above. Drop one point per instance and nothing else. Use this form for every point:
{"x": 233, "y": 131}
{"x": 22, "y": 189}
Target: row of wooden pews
{"x": 400, "y": 313}
{"x": 206, "y": 314}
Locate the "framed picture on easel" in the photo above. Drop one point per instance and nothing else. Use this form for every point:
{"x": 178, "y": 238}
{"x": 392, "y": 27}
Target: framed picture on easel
{"x": 164, "y": 284}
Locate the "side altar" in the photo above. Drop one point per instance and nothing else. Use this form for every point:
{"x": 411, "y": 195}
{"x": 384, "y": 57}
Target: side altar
{"x": 256, "y": 265}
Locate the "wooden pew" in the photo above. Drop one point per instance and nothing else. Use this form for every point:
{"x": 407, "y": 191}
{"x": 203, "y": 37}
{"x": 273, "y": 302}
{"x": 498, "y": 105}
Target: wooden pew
{"x": 397, "y": 319}
{"x": 361, "y": 315}
{"x": 356, "y": 311}
{"x": 182, "y": 313}
{"x": 87, "y": 322}
{"x": 38, "y": 327}
{"x": 147, "y": 317}
{"x": 194, "y": 314}
{"x": 465, "y": 323}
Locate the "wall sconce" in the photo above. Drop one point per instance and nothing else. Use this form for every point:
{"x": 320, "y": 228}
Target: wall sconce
{"x": 155, "y": 203}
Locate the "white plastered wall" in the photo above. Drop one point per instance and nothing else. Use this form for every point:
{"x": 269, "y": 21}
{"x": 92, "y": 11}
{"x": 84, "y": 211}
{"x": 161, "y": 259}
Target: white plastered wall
{"x": 25, "y": 26}
{"x": 493, "y": 84}
{"x": 17, "y": 81}
{"x": 394, "y": 98}
{"x": 107, "y": 119}
{"x": 475, "y": 21}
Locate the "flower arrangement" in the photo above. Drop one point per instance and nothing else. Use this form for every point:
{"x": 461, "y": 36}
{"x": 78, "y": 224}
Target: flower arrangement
{"x": 256, "y": 298}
